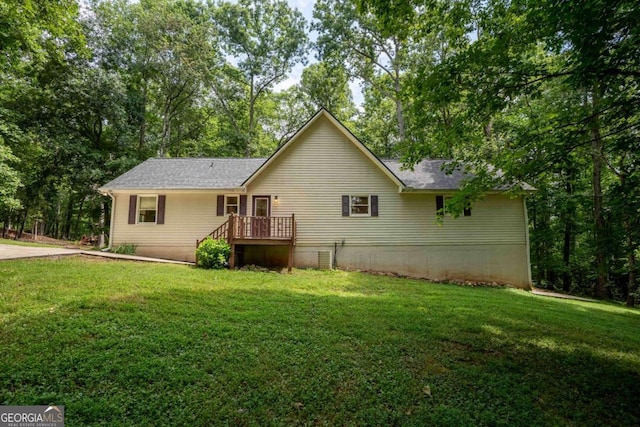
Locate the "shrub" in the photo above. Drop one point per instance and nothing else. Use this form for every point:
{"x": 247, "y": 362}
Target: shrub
{"x": 125, "y": 249}
{"x": 213, "y": 254}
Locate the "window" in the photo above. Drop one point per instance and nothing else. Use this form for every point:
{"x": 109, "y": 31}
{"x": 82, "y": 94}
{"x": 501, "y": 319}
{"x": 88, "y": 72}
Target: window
{"x": 147, "y": 209}
{"x": 232, "y": 204}
{"x": 359, "y": 205}
{"x": 441, "y": 206}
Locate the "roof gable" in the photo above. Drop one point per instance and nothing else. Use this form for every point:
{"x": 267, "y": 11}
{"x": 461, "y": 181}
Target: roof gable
{"x": 235, "y": 174}
{"x": 323, "y": 113}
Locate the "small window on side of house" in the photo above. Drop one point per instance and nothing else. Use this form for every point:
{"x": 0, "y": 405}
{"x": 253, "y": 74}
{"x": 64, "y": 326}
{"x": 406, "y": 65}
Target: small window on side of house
{"x": 147, "y": 209}
{"x": 442, "y": 206}
{"x": 232, "y": 204}
{"x": 359, "y": 205}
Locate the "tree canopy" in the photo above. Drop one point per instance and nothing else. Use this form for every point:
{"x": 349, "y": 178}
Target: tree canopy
{"x": 545, "y": 91}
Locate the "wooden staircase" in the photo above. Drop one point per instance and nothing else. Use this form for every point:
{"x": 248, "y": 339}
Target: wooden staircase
{"x": 252, "y": 230}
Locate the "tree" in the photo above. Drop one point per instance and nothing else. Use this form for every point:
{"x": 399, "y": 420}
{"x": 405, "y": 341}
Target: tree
{"x": 264, "y": 39}
{"x": 374, "y": 124}
{"x": 586, "y": 49}
{"x": 369, "y": 50}
{"x": 165, "y": 51}
{"x": 10, "y": 181}
{"x": 324, "y": 85}
{"x": 34, "y": 32}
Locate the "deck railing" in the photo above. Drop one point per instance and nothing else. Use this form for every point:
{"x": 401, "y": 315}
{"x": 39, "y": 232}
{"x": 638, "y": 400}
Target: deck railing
{"x": 255, "y": 228}
{"x": 272, "y": 227}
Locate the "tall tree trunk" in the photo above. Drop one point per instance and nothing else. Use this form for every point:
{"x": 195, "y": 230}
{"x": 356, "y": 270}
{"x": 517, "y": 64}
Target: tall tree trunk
{"x": 68, "y": 219}
{"x": 568, "y": 231}
{"x": 56, "y": 225}
{"x": 5, "y": 226}
{"x": 143, "y": 119}
{"x": 597, "y": 161}
{"x": 76, "y": 224}
{"x": 166, "y": 131}
{"x": 598, "y": 216}
{"x": 23, "y": 221}
{"x": 252, "y": 106}
{"x": 631, "y": 264}
{"x": 397, "y": 87}
{"x": 399, "y": 107}
{"x": 400, "y": 117}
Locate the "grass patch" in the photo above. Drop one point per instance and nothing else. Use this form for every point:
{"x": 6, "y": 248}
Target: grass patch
{"x": 125, "y": 343}
{"x": 125, "y": 249}
{"x": 23, "y": 243}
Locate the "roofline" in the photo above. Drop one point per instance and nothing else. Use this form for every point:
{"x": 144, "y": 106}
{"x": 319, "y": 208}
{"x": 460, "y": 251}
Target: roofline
{"x": 346, "y": 132}
{"x": 411, "y": 190}
{"x": 106, "y": 191}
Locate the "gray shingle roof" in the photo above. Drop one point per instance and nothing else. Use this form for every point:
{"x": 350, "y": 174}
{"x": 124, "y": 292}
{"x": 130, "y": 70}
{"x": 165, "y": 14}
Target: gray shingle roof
{"x": 438, "y": 175}
{"x": 186, "y": 173}
{"x": 228, "y": 173}
{"x": 428, "y": 175}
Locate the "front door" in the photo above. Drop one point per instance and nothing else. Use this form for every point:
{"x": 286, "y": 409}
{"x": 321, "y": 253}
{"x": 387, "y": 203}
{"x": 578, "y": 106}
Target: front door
{"x": 260, "y": 224}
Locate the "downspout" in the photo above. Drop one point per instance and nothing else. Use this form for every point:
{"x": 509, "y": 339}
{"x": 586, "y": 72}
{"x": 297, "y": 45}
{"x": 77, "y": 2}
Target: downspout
{"x": 526, "y": 238}
{"x": 112, "y": 223}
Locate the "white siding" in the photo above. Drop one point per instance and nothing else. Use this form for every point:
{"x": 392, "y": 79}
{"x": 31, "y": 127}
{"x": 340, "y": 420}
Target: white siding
{"x": 310, "y": 177}
{"x": 188, "y": 217}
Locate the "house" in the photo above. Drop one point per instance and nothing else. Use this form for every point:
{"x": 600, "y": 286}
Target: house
{"x": 322, "y": 195}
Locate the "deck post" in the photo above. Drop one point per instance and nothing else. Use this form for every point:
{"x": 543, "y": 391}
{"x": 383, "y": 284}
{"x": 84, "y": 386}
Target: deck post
{"x": 230, "y": 231}
{"x": 290, "y": 261}
{"x": 294, "y": 229}
{"x": 291, "y": 243}
{"x": 232, "y": 256}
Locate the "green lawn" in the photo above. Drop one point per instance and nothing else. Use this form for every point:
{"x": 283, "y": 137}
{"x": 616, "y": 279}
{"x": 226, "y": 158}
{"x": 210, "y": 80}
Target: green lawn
{"x": 23, "y": 243}
{"x": 123, "y": 343}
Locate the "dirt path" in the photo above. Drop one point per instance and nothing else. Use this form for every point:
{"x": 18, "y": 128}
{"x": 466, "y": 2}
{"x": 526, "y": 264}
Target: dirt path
{"x": 545, "y": 293}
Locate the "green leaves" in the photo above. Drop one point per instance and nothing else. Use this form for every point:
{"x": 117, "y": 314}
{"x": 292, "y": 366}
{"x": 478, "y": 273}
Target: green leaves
{"x": 264, "y": 40}
{"x": 9, "y": 178}
{"x": 213, "y": 254}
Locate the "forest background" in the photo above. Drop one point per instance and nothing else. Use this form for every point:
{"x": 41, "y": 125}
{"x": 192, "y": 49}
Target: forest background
{"x": 544, "y": 90}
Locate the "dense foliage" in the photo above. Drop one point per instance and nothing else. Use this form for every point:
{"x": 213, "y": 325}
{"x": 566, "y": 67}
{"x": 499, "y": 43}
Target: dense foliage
{"x": 213, "y": 254}
{"x": 546, "y": 91}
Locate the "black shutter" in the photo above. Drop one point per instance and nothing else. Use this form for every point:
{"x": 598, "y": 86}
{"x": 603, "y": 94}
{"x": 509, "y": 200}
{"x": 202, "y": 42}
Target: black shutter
{"x": 162, "y": 200}
{"x": 220, "y": 207}
{"x": 243, "y": 205}
{"x": 374, "y": 205}
{"x": 439, "y": 204}
{"x": 345, "y": 205}
{"x": 133, "y": 200}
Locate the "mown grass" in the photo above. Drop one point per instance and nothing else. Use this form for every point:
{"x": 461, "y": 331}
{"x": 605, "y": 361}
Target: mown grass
{"x": 23, "y": 243}
{"x": 123, "y": 343}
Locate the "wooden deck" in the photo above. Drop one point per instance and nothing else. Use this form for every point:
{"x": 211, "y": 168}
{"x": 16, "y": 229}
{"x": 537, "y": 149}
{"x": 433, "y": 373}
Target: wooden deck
{"x": 253, "y": 230}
